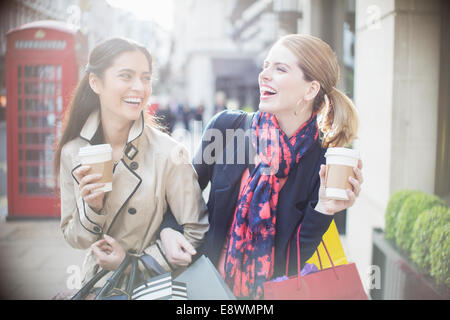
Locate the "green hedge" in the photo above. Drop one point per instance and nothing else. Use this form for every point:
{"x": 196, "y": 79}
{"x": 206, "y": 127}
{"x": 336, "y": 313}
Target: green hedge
{"x": 440, "y": 255}
{"x": 424, "y": 227}
{"x": 393, "y": 209}
{"x": 419, "y": 223}
{"x": 409, "y": 212}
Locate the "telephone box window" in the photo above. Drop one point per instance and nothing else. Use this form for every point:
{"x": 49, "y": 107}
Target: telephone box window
{"x": 43, "y": 74}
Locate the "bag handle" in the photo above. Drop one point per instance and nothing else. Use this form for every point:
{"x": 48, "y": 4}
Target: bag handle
{"x": 129, "y": 287}
{"x": 115, "y": 277}
{"x": 84, "y": 291}
{"x": 298, "y": 258}
{"x": 111, "y": 282}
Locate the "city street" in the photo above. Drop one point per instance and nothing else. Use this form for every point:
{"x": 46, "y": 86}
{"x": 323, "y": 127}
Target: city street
{"x": 34, "y": 259}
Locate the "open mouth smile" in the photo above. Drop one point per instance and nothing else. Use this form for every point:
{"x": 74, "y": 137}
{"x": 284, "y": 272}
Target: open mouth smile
{"x": 266, "y": 92}
{"x": 133, "y": 100}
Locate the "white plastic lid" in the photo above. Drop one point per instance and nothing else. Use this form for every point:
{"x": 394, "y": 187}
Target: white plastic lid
{"x": 343, "y": 152}
{"x": 94, "y": 150}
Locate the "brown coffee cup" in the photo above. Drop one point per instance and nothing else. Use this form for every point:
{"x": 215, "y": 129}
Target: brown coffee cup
{"x": 99, "y": 158}
{"x": 340, "y": 164}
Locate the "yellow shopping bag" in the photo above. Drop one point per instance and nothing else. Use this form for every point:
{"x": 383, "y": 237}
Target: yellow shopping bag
{"x": 335, "y": 249}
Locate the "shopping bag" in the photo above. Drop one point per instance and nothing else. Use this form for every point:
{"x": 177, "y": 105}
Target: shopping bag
{"x": 334, "y": 246}
{"x": 123, "y": 286}
{"x": 335, "y": 283}
{"x": 204, "y": 282}
{"x": 161, "y": 287}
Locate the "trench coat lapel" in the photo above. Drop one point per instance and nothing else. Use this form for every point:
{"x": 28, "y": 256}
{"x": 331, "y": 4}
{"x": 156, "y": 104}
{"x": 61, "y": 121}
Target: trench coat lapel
{"x": 91, "y": 126}
{"x": 93, "y": 121}
{"x": 125, "y": 183}
{"x": 125, "y": 179}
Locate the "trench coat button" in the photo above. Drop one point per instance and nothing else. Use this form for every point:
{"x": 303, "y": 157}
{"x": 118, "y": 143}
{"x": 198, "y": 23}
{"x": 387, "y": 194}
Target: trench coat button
{"x": 97, "y": 229}
{"x": 131, "y": 210}
{"x": 134, "y": 165}
{"x": 131, "y": 151}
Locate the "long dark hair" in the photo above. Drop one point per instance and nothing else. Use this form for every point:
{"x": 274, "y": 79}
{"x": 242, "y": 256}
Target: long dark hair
{"x": 85, "y": 100}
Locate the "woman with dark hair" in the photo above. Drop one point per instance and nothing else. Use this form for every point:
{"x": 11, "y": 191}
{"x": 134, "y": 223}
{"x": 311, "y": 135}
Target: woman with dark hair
{"x": 150, "y": 173}
{"x": 258, "y": 205}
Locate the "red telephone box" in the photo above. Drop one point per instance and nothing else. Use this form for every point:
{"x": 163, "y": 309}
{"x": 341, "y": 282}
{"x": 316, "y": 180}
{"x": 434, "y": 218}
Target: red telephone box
{"x": 43, "y": 60}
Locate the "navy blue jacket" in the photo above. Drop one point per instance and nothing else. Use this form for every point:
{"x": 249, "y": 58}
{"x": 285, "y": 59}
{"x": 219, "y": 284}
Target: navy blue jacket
{"x": 296, "y": 201}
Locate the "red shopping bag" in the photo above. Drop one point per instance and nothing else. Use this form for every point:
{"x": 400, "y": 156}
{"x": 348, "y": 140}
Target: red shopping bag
{"x": 335, "y": 283}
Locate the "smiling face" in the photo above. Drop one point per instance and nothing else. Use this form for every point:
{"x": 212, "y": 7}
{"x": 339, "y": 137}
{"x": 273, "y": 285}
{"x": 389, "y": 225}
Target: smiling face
{"x": 125, "y": 87}
{"x": 281, "y": 82}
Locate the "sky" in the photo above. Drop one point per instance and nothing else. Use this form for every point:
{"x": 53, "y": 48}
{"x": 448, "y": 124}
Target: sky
{"x": 159, "y": 11}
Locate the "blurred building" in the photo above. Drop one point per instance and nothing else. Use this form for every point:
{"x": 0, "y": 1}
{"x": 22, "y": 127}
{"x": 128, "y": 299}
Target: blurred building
{"x": 100, "y": 21}
{"x": 219, "y": 45}
{"x": 205, "y": 58}
{"x": 96, "y": 18}
{"x": 256, "y": 25}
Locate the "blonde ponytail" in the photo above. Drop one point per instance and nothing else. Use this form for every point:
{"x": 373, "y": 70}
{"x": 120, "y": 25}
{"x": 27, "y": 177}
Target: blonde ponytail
{"x": 338, "y": 120}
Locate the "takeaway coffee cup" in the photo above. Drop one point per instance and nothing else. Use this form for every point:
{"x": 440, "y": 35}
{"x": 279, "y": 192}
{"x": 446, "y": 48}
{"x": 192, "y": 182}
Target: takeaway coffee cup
{"x": 99, "y": 158}
{"x": 340, "y": 164}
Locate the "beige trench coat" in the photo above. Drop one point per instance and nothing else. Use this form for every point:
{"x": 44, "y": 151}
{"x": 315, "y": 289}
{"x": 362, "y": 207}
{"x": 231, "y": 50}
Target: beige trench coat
{"x": 154, "y": 173}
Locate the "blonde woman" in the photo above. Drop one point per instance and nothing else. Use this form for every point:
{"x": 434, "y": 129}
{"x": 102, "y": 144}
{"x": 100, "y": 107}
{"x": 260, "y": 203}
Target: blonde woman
{"x": 253, "y": 212}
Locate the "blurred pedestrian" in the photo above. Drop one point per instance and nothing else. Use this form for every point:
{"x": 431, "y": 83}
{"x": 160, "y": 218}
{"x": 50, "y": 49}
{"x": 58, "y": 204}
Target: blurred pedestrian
{"x": 199, "y": 111}
{"x": 174, "y": 116}
{"x": 185, "y": 111}
{"x": 220, "y": 102}
{"x": 2, "y": 113}
{"x": 254, "y": 210}
{"x": 108, "y": 108}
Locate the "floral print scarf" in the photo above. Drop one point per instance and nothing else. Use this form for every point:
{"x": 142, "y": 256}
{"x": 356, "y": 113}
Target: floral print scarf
{"x": 249, "y": 260}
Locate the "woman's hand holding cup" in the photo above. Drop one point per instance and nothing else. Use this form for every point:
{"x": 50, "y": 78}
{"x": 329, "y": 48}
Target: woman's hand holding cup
{"x": 330, "y": 206}
{"x": 89, "y": 187}
{"x": 98, "y": 160}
